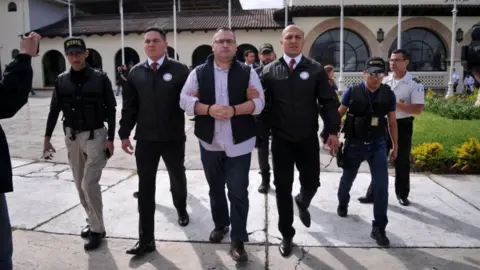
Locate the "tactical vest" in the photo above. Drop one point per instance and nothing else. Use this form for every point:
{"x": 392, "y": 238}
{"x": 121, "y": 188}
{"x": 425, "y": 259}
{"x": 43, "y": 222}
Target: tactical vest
{"x": 243, "y": 126}
{"x": 366, "y": 118}
{"x": 83, "y": 106}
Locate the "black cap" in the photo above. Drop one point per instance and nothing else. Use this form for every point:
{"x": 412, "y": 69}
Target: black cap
{"x": 375, "y": 65}
{"x": 74, "y": 44}
{"x": 266, "y": 48}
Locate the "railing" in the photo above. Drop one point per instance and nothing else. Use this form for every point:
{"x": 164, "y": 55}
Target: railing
{"x": 434, "y": 80}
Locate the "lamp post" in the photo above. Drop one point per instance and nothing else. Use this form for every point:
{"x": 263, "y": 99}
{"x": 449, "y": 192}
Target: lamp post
{"x": 452, "y": 50}
{"x": 286, "y": 13}
{"x": 122, "y": 35}
{"x": 341, "y": 81}
{"x": 399, "y": 23}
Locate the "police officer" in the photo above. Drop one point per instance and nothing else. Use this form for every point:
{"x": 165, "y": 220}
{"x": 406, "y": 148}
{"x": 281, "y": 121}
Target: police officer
{"x": 85, "y": 96}
{"x": 266, "y": 55}
{"x": 410, "y": 101}
{"x": 151, "y": 99}
{"x": 368, "y": 103}
{"x": 296, "y": 84}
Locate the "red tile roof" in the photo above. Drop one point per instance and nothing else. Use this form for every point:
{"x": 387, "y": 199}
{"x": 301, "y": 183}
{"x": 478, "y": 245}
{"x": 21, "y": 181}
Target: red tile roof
{"x": 186, "y": 21}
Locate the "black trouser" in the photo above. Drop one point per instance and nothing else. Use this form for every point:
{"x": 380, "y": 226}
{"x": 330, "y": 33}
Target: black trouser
{"x": 233, "y": 171}
{"x": 147, "y": 156}
{"x": 306, "y": 156}
{"x": 402, "y": 163}
{"x": 263, "y": 148}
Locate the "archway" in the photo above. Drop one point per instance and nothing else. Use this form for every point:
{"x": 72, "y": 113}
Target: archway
{"x": 94, "y": 59}
{"x": 426, "y": 49}
{"x": 53, "y": 63}
{"x": 12, "y": 7}
{"x": 326, "y": 50}
{"x": 171, "y": 53}
{"x": 200, "y": 54}
{"x": 242, "y": 48}
{"x": 130, "y": 56}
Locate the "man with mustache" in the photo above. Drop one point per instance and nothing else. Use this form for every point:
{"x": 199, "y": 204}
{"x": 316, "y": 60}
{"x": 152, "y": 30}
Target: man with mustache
{"x": 85, "y": 96}
{"x": 296, "y": 84}
{"x": 151, "y": 98}
{"x": 216, "y": 93}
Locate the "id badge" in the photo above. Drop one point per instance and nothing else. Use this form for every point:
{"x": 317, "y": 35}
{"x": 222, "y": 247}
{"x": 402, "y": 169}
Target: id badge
{"x": 374, "y": 122}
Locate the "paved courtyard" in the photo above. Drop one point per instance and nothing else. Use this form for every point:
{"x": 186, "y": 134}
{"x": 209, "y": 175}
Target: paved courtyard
{"x": 440, "y": 230}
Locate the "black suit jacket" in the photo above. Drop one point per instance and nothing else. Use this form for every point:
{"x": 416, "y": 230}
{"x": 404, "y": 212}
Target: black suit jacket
{"x": 14, "y": 90}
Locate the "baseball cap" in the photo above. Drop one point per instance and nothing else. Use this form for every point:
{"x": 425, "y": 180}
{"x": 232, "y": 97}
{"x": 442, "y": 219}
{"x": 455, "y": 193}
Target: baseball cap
{"x": 74, "y": 44}
{"x": 266, "y": 48}
{"x": 375, "y": 65}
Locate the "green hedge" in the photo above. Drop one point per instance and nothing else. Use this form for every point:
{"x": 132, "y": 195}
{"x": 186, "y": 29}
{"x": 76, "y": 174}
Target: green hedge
{"x": 454, "y": 108}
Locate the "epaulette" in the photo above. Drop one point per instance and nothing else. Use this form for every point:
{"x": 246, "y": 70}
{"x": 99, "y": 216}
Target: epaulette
{"x": 415, "y": 79}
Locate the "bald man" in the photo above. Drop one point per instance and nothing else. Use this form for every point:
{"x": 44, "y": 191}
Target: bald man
{"x": 295, "y": 85}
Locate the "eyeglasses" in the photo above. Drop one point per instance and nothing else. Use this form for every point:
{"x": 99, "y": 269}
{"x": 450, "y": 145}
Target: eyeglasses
{"x": 223, "y": 41}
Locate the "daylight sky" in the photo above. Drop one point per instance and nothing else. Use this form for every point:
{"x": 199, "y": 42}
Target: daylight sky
{"x": 256, "y": 4}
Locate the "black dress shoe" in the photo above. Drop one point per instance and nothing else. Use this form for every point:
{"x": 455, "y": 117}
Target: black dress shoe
{"x": 303, "y": 213}
{"x": 342, "y": 210}
{"x": 404, "y": 202}
{"x": 286, "y": 247}
{"x": 183, "y": 219}
{"x": 142, "y": 248}
{"x": 365, "y": 199}
{"x": 263, "y": 188}
{"x": 380, "y": 237}
{"x": 217, "y": 234}
{"x": 94, "y": 240}
{"x": 237, "y": 251}
{"x": 85, "y": 232}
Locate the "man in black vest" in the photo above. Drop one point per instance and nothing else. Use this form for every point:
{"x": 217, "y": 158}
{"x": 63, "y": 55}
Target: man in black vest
{"x": 14, "y": 90}
{"x": 371, "y": 107}
{"x": 151, "y": 98}
{"x": 266, "y": 55}
{"x": 295, "y": 85}
{"x": 225, "y": 126}
{"x": 85, "y": 96}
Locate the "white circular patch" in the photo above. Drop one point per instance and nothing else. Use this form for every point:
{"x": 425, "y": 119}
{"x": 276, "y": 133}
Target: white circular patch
{"x": 304, "y": 75}
{"x": 167, "y": 77}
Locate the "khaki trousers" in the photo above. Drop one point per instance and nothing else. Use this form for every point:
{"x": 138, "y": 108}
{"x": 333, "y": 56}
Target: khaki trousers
{"x": 87, "y": 159}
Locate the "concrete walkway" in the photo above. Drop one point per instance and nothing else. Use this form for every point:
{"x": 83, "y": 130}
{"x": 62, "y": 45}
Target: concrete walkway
{"x": 440, "y": 230}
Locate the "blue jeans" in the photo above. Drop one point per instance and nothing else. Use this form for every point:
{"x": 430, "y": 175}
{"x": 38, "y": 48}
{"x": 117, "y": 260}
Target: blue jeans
{"x": 6, "y": 246}
{"x": 220, "y": 170}
{"x": 375, "y": 153}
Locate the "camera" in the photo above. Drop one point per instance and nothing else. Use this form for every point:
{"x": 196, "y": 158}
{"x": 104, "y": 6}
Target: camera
{"x": 471, "y": 53}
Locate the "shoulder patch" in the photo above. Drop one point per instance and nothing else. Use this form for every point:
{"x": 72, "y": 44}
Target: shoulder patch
{"x": 415, "y": 79}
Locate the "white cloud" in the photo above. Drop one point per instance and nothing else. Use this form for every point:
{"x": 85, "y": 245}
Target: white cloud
{"x": 259, "y": 4}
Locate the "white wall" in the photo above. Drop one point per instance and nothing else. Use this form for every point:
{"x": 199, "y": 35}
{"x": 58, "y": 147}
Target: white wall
{"x": 11, "y": 26}
{"x": 108, "y": 46}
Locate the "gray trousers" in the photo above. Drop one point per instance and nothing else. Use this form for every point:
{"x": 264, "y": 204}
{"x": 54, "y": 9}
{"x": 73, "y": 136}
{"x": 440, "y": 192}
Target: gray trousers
{"x": 87, "y": 159}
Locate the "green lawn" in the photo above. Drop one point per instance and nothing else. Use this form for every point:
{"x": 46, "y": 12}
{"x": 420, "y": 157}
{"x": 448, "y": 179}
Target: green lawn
{"x": 429, "y": 127}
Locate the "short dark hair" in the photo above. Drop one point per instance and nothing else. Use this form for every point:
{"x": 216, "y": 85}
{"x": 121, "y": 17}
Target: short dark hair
{"x": 247, "y": 52}
{"x": 404, "y": 53}
{"x": 226, "y": 29}
{"x": 158, "y": 30}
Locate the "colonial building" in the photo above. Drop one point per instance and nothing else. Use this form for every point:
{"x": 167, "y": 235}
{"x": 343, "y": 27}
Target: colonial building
{"x": 370, "y": 28}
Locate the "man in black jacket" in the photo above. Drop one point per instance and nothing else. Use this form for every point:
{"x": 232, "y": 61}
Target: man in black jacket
{"x": 151, "y": 99}
{"x": 14, "y": 90}
{"x": 85, "y": 97}
{"x": 266, "y": 55}
{"x": 295, "y": 84}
